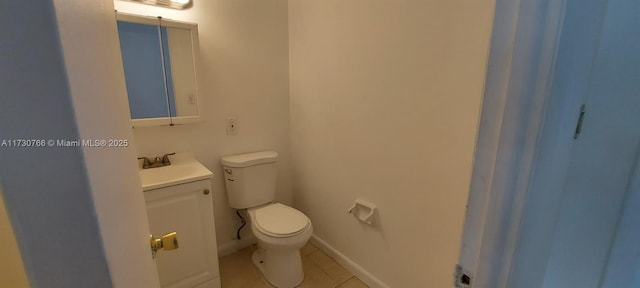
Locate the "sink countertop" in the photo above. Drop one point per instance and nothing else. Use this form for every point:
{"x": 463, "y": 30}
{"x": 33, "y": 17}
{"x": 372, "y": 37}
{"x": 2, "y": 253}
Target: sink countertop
{"x": 184, "y": 168}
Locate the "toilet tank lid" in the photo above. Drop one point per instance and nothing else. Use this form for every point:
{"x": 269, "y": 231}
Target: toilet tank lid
{"x": 250, "y": 159}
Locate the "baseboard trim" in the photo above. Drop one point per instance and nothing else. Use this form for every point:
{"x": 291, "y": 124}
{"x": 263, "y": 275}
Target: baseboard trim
{"x": 347, "y": 263}
{"x": 235, "y": 245}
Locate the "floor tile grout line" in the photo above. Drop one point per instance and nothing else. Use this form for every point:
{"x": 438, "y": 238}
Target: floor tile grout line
{"x": 327, "y": 272}
{"x": 322, "y": 270}
{"x": 308, "y": 256}
{"x": 345, "y": 281}
{"x": 335, "y": 282}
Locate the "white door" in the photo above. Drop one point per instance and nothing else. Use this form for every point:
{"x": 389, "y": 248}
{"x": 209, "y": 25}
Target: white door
{"x": 602, "y": 164}
{"x": 93, "y": 64}
{"x": 623, "y": 269}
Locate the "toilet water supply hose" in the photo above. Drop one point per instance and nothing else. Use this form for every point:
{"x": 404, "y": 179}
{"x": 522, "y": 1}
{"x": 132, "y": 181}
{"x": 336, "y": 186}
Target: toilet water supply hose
{"x": 241, "y": 226}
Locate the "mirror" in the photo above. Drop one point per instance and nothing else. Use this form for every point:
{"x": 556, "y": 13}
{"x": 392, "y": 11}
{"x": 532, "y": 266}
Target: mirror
{"x": 159, "y": 57}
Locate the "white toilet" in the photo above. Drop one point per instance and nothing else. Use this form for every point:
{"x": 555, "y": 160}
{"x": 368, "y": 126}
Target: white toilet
{"x": 281, "y": 230}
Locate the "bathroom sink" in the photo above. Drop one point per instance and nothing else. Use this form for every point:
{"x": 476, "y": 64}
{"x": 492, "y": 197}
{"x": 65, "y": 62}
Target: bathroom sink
{"x": 184, "y": 168}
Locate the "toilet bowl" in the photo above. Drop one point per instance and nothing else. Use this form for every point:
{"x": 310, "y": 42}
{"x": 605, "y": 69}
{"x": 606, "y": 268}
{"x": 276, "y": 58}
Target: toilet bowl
{"x": 281, "y": 231}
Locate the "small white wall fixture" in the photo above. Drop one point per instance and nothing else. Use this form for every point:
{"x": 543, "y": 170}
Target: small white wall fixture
{"x": 363, "y": 211}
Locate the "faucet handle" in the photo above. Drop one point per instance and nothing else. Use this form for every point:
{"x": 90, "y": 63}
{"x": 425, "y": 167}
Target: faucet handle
{"x": 165, "y": 158}
{"x": 146, "y": 162}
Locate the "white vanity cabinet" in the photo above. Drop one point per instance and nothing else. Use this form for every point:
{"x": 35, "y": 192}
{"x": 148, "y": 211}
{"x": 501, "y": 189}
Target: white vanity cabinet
{"x": 187, "y": 209}
{"x": 179, "y": 198}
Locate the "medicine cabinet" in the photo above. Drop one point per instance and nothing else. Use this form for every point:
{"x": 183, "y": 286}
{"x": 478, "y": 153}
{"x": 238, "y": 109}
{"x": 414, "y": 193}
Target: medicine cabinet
{"x": 160, "y": 58}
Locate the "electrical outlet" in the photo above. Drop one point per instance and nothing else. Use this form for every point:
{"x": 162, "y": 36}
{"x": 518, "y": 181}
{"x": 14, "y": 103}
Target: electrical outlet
{"x": 232, "y": 125}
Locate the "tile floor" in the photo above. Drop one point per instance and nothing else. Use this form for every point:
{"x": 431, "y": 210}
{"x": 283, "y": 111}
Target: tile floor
{"x": 320, "y": 271}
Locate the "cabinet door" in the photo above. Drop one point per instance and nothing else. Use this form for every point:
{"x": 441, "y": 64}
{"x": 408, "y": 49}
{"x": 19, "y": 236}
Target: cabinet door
{"x": 188, "y": 210}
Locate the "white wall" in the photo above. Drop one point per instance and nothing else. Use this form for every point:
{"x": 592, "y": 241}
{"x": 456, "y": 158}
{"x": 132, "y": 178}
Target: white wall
{"x": 243, "y": 72}
{"x": 385, "y": 101}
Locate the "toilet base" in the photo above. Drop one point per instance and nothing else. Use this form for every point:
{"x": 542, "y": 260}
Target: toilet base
{"x": 283, "y": 269}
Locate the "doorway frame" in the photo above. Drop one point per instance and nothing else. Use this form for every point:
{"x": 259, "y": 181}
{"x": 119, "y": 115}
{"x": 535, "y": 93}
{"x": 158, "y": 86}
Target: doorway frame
{"x": 512, "y": 132}
{"x": 94, "y": 102}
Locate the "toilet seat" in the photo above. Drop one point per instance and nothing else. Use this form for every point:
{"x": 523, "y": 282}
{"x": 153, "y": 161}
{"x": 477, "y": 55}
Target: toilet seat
{"x": 278, "y": 220}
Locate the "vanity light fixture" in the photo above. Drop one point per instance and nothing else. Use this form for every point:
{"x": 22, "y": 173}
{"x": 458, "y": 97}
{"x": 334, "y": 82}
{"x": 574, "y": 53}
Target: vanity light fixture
{"x": 175, "y": 4}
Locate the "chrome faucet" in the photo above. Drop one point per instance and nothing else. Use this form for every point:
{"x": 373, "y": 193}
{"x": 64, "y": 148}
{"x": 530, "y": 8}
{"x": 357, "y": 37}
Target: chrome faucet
{"x": 157, "y": 162}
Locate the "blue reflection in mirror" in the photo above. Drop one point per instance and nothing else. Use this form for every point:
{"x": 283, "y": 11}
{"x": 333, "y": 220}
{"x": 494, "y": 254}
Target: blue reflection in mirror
{"x": 142, "y": 61}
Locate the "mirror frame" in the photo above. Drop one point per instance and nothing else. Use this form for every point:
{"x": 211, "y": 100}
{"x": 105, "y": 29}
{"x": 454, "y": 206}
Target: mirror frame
{"x": 195, "y": 47}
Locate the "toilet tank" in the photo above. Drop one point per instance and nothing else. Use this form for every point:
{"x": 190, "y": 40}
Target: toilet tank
{"x": 250, "y": 178}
